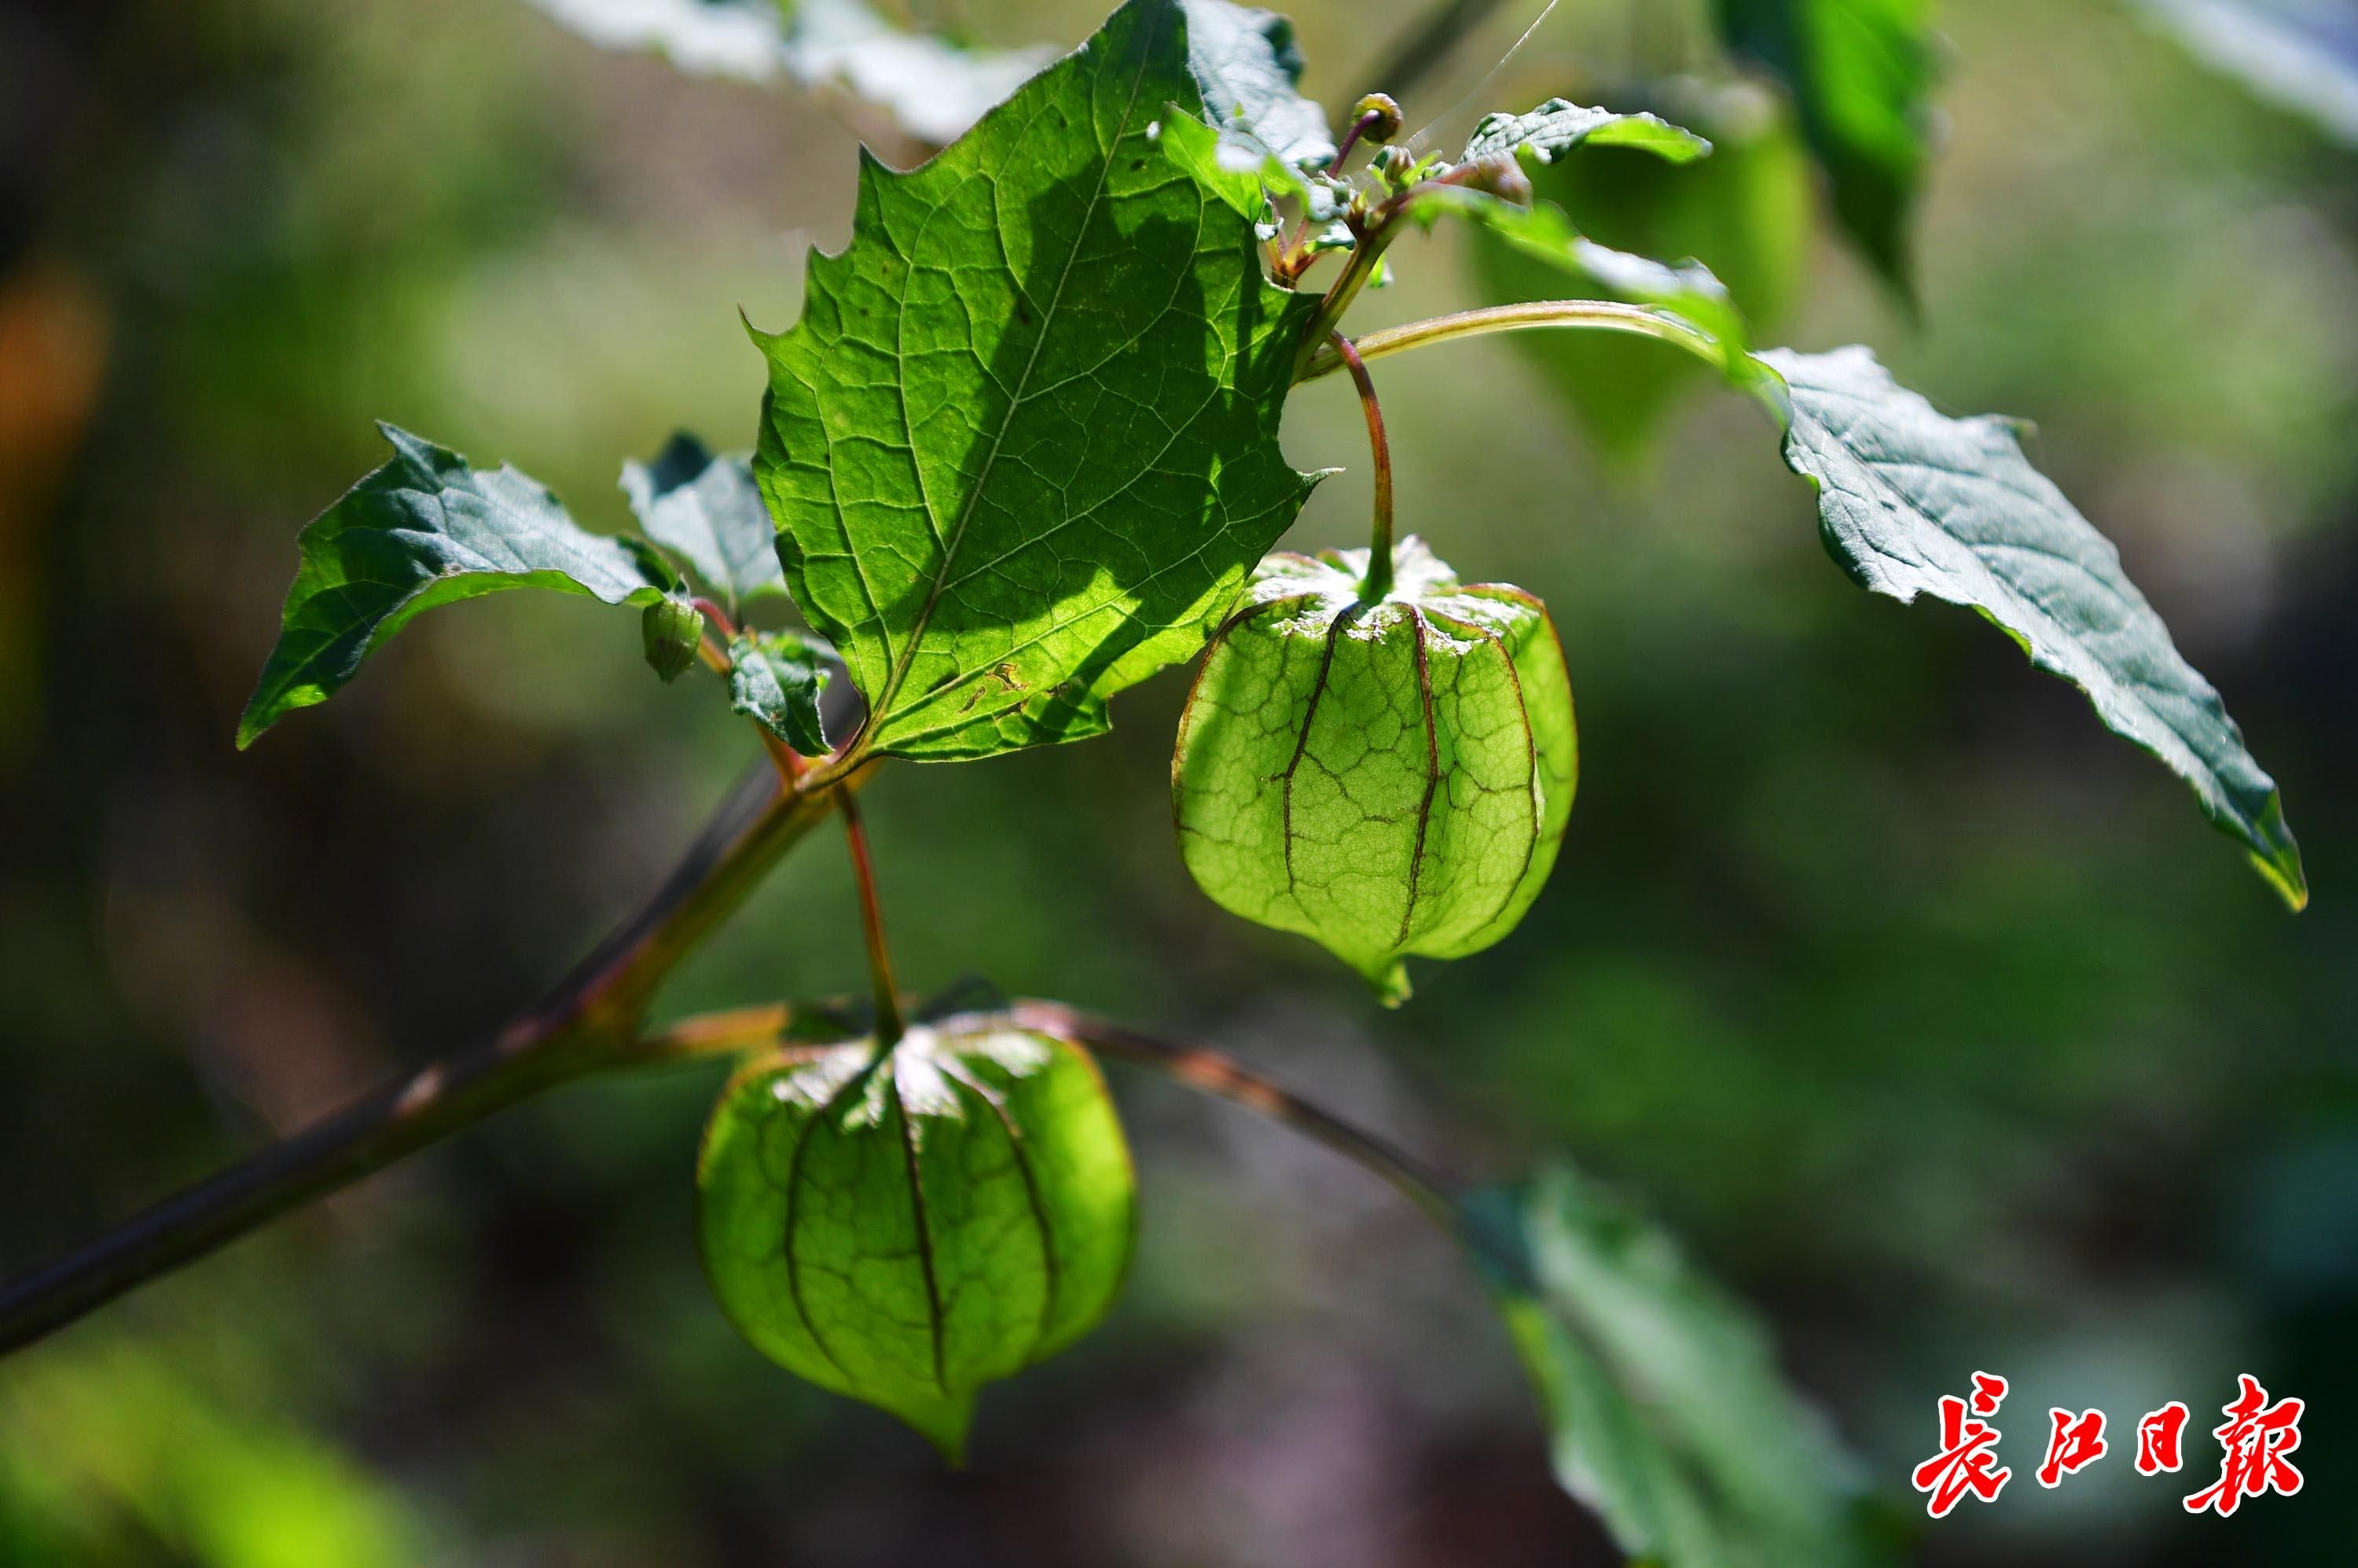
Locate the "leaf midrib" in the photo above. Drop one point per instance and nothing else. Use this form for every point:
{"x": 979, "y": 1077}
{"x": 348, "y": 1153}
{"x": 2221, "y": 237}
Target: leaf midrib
{"x": 907, "y": 658}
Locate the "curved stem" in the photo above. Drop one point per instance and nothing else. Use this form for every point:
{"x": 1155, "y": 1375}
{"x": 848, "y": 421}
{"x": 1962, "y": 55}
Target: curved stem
{"x": 1211, "y": 1071}
{"x": 586, "y": 1025}
{"x": 889, "y": 1027}
{"x": 1594, "y": 315}
{"x": 1379, "y": 580}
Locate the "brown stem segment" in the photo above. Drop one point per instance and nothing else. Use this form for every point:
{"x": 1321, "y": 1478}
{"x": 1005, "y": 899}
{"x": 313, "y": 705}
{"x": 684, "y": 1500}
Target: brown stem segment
{"x": 1213, "y": 1072}
{"x": 585, "y": 1026}
{"x": 889, "y": 1027}
{"x": 1379, "y": 580}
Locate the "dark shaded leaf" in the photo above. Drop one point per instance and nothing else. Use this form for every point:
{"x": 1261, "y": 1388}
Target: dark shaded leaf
{"x": 1247, "y": 64}
{"x": 776, "y": 679}
{"x": 708, "y": 510}
{"x": 1667, "y": 1412}
{"x": 426, "y": 530}
{"x": 1911, "y": 502}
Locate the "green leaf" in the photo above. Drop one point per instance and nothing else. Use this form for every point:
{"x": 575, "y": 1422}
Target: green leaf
{"x": 905, "y": 1231}
{"x": 708, "y": 510}
{"x": 1543, "y": 233}
{"x": 1557, "y": 126}
{"x": 1743, "y": 212}
{"x": 2300, "y": 55}
{"x": 426, "y": 530}
{"x": 1861, "y": 73}
{"x": 1667, "y": 1412}
{"x": 1247, "y": 65}
{"x": 1022, "y": 446}
{"x": 775, "y": 680}
{"x": 1912, "y": 502}
{"x": 1389, "y": 779}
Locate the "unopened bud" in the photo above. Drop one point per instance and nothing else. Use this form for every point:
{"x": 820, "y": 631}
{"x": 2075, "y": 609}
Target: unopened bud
{"x": 1385, "y": 123}
{"x": 671, "y": 629}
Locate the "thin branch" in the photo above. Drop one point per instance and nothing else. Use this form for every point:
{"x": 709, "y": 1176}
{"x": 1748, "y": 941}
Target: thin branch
{"x": 1379, "y": 580}
{"x": 889, "y": 1027}
{"x": 585, "y": 1026}
{"x": 1213, "y": 1072}
{"x": 1593, "y": 315}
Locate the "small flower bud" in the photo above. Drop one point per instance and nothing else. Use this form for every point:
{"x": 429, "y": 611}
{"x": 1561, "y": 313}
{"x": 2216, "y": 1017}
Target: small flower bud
{"x": 1387, "y": 118}
{"x": 671, "y": 629}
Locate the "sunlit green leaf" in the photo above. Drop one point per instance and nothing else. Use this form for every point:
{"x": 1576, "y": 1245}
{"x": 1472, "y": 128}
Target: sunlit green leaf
{"x": 706, "y": 509}
{"x": 1743, "y": 212}
{"x": 1862, "y": 73}
{"x": 1389, "y": 778}
{"x": 426, "y": 530}
{"x": 1911, "y": 502}
{"x": 1557, "y": 126}
{"x": 1667, "y": 1412}
{"x": 775, "y": 680}
{"x": 1021, "y": 448}
{"x": 905, "y": 1232}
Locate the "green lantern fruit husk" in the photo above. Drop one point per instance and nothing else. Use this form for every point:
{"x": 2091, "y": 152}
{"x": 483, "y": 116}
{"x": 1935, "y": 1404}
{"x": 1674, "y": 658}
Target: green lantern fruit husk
{"x": 905, "y": 1229}
{"x": 1389, "y": 778}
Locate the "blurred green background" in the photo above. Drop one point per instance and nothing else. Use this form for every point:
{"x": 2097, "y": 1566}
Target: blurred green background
{"x": 1931, "y": 1015}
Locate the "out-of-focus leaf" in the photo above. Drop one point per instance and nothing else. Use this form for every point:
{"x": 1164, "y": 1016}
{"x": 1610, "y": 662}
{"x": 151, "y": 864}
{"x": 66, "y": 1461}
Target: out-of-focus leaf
{"x": 740, "y": 38}
{"x": 906, "y": 1230}
{"x": 1542, "y": 232}
{"x": 1743, "y": 212}
{"x": 931, "y": 88}
{"x": 776, "y": 680}
{"x": 1911, "y": 502}
{"x": 137, "y": 1449}
{"x": 2301, "y": 55}
{"x": 1022, "y": 446}
{"x": 1861, "y": 73}
{"x": 1667, "y": 1412}
{"x": 1557, "y": 126}
{"x": 935, "y": 88}
{"x": 426, "y": 530}
{"x": 1247, "y": 64}
{"x": 707, "y": 509}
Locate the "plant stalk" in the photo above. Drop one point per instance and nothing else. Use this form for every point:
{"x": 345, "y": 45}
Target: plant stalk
{"x": 889, "y": 1026}
{"x": 1596, "y": 315}
{"x": 586, "y": 1025}
{"x": 1212, "y": 1071}
{"x": 1379, "y": 580}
